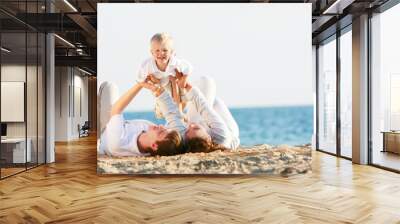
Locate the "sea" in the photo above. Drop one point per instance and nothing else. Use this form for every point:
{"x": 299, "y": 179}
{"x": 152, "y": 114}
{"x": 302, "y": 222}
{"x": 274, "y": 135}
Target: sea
{"x": 290, "y": 125}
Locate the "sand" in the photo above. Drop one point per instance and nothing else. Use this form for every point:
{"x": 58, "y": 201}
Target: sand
{"x": 261, "y": 159}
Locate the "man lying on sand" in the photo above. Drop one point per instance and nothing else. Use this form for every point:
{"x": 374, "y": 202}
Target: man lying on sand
{"x": 122, "y": 137}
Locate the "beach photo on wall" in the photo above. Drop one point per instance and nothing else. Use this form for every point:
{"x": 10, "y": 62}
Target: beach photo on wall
{"x": 204, "y": 88}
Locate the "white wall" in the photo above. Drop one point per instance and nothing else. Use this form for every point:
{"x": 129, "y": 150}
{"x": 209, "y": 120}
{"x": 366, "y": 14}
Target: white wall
{"x": 70, "y": 83}
{"x": 13, "y": 72}
{"x": 80, "y": 89}
{"x": 61, "y": 103}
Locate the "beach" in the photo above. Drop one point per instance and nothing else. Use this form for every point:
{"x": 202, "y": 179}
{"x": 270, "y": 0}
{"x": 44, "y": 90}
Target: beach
{"x": 281, "y": 160}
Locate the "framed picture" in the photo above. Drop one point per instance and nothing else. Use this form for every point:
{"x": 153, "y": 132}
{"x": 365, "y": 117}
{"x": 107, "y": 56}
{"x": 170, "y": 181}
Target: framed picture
{"x": 204, "y": 88}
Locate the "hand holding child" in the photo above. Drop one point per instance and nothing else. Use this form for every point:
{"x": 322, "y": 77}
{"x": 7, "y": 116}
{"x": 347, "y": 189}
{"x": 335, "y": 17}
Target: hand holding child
{"x": 181, "y": 79}
{"x": 153, "y": 79}
{"x": 153, "y": 87}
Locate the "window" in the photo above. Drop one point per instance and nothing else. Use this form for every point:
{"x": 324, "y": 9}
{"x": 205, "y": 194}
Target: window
{"x": 346, "y": 94}
{"x": 22, "y": 76}
{"x": 385, "y": 89}
{"x": 327, "y": 96}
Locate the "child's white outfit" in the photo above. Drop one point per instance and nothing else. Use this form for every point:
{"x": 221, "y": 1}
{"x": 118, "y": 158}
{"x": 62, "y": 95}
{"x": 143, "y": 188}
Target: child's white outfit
{"x": 149, "y": 66}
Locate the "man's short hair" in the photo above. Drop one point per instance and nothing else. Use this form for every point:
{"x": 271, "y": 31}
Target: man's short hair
{"x": 171, "y": 145}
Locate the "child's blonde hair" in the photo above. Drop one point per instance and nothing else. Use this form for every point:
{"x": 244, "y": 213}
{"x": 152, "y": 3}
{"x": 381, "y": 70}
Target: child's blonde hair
{"x": 162, "y": 38}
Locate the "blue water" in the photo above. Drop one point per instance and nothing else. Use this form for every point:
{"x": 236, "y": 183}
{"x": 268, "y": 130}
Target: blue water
{"x": 270, "y": 125}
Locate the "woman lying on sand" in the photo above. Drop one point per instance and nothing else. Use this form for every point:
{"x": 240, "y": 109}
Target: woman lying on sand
{"x": 210, "y": 125}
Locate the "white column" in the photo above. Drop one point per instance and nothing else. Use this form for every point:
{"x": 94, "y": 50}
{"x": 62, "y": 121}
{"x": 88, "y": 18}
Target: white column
{"x": 314, "y": 86}
{"x": 50, "y": 92}
{"x": 360, "y": 90}
{"x": 50, "y": 100}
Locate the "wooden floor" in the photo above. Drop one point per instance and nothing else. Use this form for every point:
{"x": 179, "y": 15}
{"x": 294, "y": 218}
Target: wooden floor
{"x": 69, "y": 191}
{"x": 10, "y": 171}
{"x": 5, "y": 172}
{"x": 387, "y": 159}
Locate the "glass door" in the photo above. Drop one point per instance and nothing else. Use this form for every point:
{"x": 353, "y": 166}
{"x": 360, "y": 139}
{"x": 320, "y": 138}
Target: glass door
{"x": 22, "y": 77}
{"x": 327, "y": 96}
{"x": 14, "y": 153}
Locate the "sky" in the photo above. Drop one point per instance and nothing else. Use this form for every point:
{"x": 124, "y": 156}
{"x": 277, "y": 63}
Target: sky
{"x": 258, "y": 54}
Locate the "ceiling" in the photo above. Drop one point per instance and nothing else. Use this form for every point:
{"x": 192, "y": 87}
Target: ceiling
{"x": 75, "y": 21}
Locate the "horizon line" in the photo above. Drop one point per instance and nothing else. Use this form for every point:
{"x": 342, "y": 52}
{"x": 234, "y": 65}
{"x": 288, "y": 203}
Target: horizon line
{"x": 240, "y": 107}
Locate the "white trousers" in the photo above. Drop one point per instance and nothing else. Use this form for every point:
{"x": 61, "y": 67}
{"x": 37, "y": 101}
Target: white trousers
{"x": 107, "y": 96}
{"x": 208, "y": 88}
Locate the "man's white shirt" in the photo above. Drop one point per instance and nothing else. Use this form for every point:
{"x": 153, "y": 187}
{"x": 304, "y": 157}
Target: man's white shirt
{"x": 121, "y": 136}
